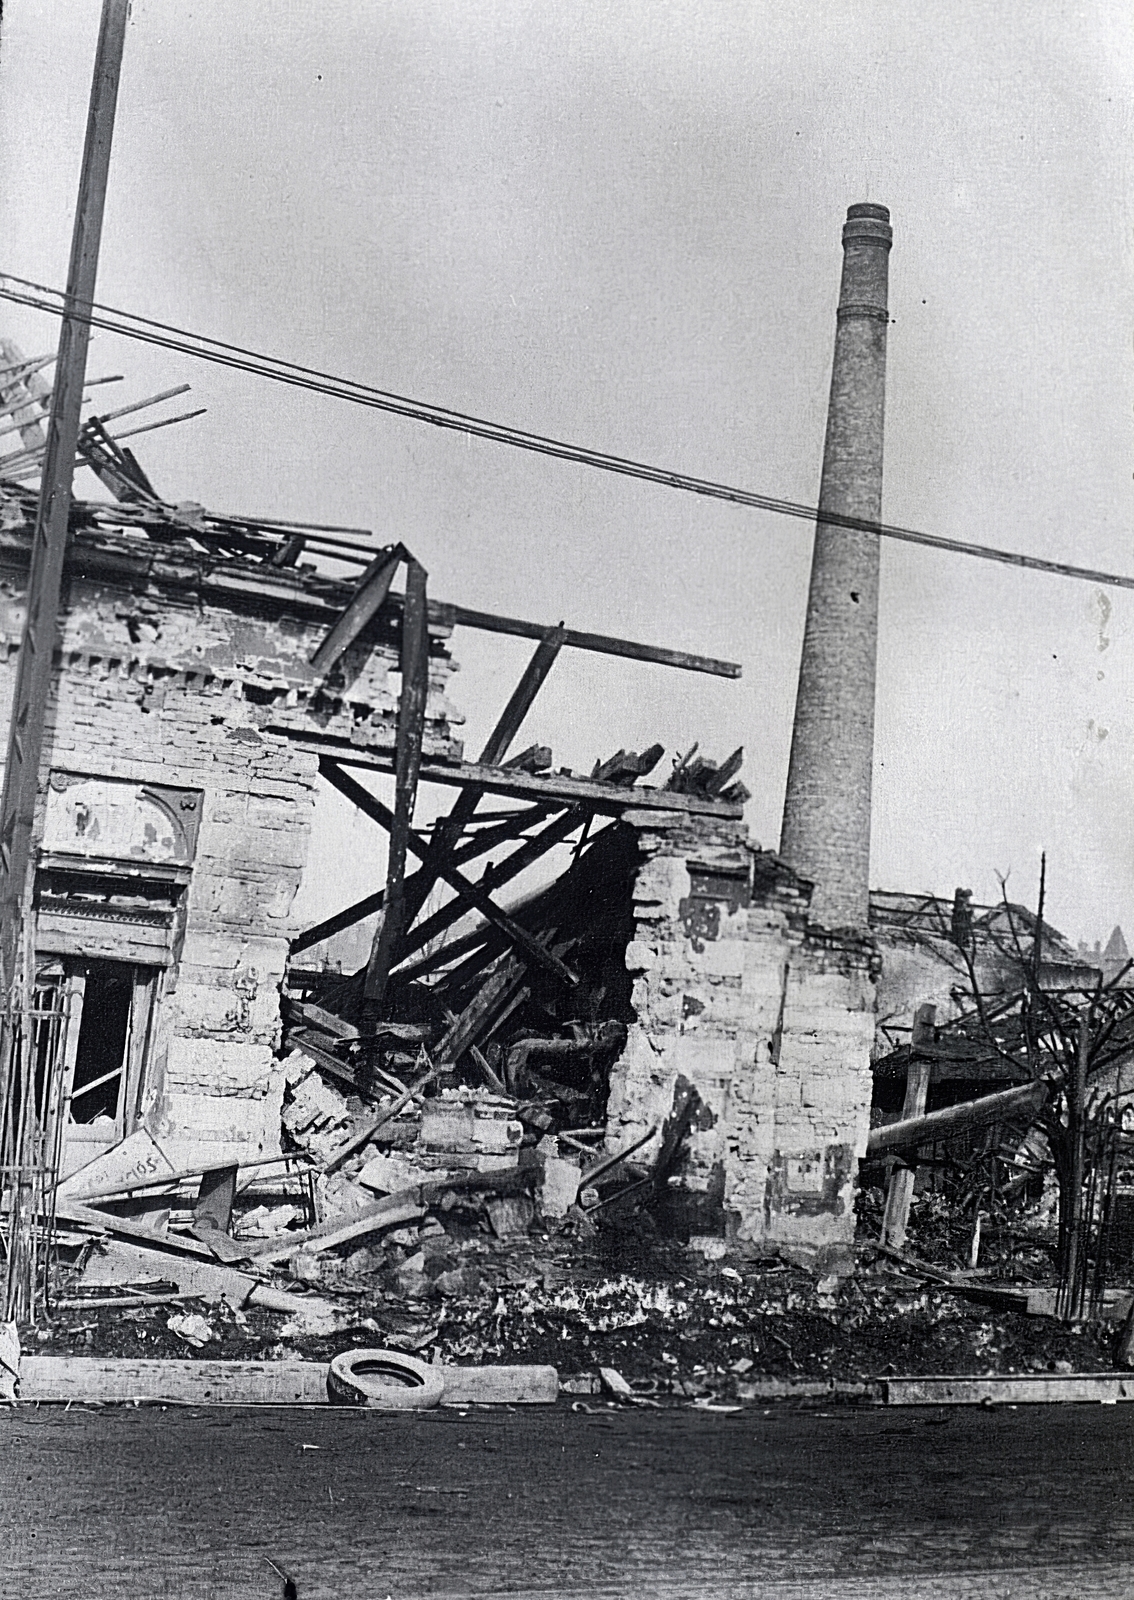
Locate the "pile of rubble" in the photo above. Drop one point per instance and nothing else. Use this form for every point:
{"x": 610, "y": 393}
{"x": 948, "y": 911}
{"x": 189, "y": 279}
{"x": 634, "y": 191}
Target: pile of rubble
{"x": 443, "y": 1234}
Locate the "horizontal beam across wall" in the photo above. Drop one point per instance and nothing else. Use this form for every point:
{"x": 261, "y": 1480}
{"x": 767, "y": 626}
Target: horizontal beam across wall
{"x": 605, "y": 798}
{"x": 598, "y": 642}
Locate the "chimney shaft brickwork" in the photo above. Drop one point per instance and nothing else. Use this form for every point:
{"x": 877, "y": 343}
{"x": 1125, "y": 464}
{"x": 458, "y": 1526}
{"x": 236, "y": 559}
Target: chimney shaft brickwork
{"x": 826, "y": 824}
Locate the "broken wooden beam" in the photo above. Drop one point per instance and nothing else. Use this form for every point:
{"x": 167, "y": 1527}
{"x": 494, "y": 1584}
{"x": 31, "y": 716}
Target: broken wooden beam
{"x": 938, "y": 1126}
{"x": 314, "y": 1048}
{"x": 478, "y": 844}
{"x": 170, "y": 1180}
{"x": 495, "y": 878}
{"x": 365, "y": 604}
{"x": 448, "y": 830}
{"x": 598, "y": 642}
{"x": 899, "y": 1191}
{"x": 626, "y": 766}
{"x": 608, "y": 1163}
{"x": 482, "y": 941}
{"x": 392, "y": 1210}
{"x": 364, "y": 1134}
{"x": 562, "y": 787}
{"x": 500, "y": 989}
{"x": 516, "y": 935}
{"x": 215, "y": 1197}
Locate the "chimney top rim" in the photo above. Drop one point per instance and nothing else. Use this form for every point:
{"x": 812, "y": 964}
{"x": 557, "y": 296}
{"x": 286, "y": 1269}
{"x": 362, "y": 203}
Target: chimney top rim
{"x": 868, "y": 208}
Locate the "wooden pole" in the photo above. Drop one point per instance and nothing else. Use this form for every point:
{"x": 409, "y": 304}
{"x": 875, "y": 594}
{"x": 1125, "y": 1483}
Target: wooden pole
{"x": 937, "y": 1126}
{"x": 49, "y": 542}
{"x": 899, "y": 1192}
{"x": 22, "y": 1169}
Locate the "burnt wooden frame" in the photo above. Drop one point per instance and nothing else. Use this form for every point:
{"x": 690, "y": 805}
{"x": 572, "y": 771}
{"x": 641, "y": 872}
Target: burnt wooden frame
{"x": 575, "y": 800}
{"x": 402, "y": 899}
{"x": 473, "y": 893}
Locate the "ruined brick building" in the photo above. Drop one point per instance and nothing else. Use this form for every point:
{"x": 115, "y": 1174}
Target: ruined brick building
{"x": 175, "y": 814}
{"x": 197, "y": 707}
{"x": 184, "y": 744}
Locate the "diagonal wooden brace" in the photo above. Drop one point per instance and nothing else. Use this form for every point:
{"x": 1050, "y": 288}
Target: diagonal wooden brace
{"x": 470, "y": 892}
{"x": 478, "y": 845}
{"x": 367, "y": 601}
{"x": 449, "y": 829}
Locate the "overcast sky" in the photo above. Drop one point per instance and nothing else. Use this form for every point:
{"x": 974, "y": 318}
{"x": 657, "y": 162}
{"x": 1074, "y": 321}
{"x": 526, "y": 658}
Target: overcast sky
{"x": 621, "y": 225}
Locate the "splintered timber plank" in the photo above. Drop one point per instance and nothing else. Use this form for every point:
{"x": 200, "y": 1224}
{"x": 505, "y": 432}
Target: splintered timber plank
{"x": 369, "y": 597}
{"x": 503, "y": 988}
{"x": 365, "y": 1133}
{"x": 215, "y": 1198}
{"x": 308, "y": 1041}
{"x": 477, "y": 948}
{"x": 407, "y": 761}
{"x": 483, "y": 902}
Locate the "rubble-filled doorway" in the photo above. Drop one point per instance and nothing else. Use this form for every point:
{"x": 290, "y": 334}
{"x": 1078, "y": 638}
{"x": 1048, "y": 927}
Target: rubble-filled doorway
{"x": 101, "y": 1062}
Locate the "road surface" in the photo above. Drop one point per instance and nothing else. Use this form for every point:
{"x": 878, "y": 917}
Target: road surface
{"x": 844, "y": 1505}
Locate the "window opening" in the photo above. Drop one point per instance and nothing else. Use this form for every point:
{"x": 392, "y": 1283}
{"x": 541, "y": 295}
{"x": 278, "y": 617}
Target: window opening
{"x": 104, "y": 1033}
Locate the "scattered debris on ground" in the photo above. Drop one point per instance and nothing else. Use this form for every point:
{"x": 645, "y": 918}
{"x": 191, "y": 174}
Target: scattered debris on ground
{"x": 447, "y": 1192}
{"x": 672, "y": 1324}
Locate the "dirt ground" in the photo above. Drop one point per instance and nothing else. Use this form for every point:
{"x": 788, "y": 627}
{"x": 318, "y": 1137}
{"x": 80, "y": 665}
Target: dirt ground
{"x": 773, "y": 1503}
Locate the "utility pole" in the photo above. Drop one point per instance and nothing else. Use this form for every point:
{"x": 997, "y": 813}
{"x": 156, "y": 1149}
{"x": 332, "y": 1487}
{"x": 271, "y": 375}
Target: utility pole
{"x": 23, "y": 1160}
{"x": 49, "y": 542}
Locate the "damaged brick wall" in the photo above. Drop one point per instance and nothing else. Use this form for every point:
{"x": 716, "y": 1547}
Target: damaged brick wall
{"x": 771, "y": 1020}
{"x": 198, "y": 677}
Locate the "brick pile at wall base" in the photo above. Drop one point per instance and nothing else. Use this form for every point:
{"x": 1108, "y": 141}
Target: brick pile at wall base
{"x": 769, "y": 1017}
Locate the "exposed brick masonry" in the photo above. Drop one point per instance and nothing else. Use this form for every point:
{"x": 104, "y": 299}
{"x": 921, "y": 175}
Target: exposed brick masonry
{"x": 826, "y": 826}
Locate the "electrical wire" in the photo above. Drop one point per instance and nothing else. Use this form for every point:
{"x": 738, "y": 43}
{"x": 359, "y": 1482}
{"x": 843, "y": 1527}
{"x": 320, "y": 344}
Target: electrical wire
{"x": 202, "y": 347}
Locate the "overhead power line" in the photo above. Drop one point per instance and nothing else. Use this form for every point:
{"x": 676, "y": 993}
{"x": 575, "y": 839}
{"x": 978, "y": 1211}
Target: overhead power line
{"x": 23, "y": 291}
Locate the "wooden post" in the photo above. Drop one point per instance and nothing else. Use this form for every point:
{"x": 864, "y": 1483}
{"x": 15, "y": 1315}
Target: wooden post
{"x": 1070, "y": 1299}
{"x": 899, "y": 1192}
{"x": 411, "y": 725}
{"x": 22, "y": 1170}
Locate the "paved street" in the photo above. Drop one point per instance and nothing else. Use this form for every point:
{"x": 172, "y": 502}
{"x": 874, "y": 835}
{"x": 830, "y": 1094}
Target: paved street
{"x": 1032, "y": 1502}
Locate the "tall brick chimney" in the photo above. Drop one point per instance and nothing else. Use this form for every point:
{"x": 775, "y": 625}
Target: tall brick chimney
{"x": 826, "y": 827}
